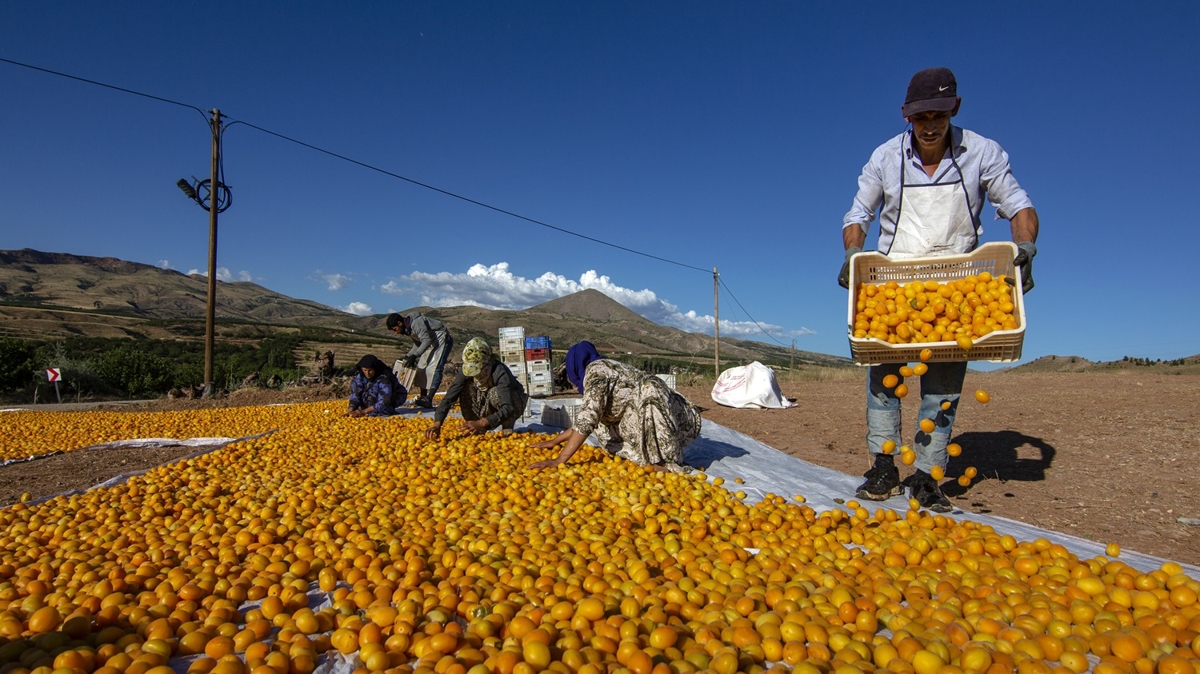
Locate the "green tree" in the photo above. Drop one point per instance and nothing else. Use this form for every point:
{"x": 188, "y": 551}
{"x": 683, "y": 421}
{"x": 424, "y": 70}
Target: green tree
{"x": 135, "y": 372}
{"x": 18, "y": 364}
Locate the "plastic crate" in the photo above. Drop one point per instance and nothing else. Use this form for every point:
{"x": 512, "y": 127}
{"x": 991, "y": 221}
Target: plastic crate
{"x": 512, "y": 332}
{"x": 668, "y": 379}
{"x": 560, "y": 413}
{"x": 1001, "y": 346}
{"x": 542, "y": 389}
{"x": 537, "y": 342}
{"x": 512, "y": 344}
{"x": 537, "y": 366}
{"x": 537, "y": 354}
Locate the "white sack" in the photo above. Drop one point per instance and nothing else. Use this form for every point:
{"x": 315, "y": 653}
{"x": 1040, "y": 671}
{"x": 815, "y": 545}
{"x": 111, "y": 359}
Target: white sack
{"x": 752, "y": 385}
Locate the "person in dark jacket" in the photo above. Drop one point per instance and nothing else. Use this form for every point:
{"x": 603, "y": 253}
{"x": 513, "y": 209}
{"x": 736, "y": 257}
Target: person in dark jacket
{"x": 374, "y": 391}
{"x": 486, "y": 390}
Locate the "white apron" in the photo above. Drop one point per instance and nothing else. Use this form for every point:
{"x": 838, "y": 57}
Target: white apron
{"x": 935, "y": 218}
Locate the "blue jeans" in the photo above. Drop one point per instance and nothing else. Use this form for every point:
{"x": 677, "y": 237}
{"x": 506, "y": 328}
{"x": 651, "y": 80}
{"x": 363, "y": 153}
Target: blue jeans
{"x": 943, "y": 382}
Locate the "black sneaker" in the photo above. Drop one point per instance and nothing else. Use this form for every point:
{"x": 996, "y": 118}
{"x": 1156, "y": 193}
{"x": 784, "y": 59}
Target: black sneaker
{"x": 883, "y": 480}
{"x": 422, "y": 402}
{"x": 925, "y": 489}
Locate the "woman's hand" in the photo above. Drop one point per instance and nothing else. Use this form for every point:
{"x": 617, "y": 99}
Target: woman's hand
{"x": 356, "y": 413}
{"x": 433, "y": 432}
{"x": 573, "y": 439}
{"x": 476, "y": 427}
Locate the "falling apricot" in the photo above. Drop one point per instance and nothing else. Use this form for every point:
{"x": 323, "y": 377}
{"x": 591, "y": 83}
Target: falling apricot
{"x": 982, "y": 396}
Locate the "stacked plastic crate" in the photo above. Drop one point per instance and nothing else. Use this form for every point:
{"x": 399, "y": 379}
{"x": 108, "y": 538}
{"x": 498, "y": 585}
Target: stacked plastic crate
{"x": 537, "y": 366}
{"x": 512, "y": 353}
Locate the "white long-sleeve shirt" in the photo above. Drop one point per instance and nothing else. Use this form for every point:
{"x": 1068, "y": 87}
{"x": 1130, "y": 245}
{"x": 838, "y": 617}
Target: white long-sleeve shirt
{"x": 985, "y": 171}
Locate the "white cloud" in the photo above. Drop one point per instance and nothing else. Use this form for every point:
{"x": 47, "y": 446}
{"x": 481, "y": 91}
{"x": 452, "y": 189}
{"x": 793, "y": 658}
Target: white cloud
{"x": 332, "y": 282}
{"x": 496, "y": 287}
{"x": 357, "y": 308}
{"x": 223, "y": 274}
{"x": 164, "y": 264}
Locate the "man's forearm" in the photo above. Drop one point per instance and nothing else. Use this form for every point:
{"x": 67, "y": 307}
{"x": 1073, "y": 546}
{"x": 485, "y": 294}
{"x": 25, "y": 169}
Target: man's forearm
{"x": 1025, "y": 226}
{"x": 853, "y": 236}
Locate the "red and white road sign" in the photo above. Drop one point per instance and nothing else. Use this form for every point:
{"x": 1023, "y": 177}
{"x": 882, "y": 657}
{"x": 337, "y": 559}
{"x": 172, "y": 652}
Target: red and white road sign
{"x": 53, "y": 374}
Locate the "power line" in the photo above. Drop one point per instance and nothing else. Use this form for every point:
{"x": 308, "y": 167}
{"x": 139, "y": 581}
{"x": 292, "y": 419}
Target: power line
{"x": 404, "y": 178}
{"x": 365, "y": 165}
{"x": 468, "y": 199}
{"x": 760, "y": 327}
{"x": 107, "y": 86}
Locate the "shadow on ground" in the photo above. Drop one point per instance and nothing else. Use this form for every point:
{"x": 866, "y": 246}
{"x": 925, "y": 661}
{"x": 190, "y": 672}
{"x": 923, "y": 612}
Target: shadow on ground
{"x": 704, "y": 453}
{"x": 995, "y": 455}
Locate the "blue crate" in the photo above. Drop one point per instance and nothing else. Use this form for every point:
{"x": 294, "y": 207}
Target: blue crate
{"x": 537, "y": 342}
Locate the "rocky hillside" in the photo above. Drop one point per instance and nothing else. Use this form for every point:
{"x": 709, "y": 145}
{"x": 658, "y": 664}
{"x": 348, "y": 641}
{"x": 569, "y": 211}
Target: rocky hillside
{"x": 30, "y": 278}
{"x": 55, "y": 295}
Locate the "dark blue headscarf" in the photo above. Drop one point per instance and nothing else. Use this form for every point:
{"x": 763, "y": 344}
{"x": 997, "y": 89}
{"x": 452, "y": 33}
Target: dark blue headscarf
{"x": 578, "y": 357}
{"x": 372, "y": 362}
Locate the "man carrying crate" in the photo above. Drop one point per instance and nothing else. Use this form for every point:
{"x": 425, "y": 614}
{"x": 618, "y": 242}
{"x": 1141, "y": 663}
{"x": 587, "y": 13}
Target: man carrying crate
{"x": 928, "y": 184}
{"x": 431, "y": 349}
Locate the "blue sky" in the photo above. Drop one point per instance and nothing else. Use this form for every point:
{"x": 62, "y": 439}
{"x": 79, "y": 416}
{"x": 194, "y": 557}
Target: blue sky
{"x": 708, "y": 133}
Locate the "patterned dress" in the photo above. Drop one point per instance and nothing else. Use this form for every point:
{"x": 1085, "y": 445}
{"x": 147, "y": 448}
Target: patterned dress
{"x": 636, "y": 416}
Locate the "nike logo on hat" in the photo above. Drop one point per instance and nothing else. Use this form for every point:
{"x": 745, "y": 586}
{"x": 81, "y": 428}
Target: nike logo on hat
{"x": 943, "y": 88}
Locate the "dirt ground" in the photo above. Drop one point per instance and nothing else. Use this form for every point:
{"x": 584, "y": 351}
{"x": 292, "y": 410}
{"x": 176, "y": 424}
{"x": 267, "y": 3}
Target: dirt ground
{"x": 1109, "y": 457}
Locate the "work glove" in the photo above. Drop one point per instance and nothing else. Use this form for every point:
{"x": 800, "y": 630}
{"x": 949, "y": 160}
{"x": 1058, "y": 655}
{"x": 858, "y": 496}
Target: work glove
{"x": 844, "y": 274}
{"x": 1024, "y": 259}
{"x": 410, "y": 361}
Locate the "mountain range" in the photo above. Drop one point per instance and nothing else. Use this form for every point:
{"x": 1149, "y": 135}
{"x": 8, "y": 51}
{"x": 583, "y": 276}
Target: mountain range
{"x": 55, "y": 295}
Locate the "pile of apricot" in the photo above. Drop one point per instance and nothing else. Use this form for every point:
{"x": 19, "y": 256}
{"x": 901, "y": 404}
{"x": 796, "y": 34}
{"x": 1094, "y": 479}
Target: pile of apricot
{"x": 356, "y": 542}
{"x": 962, "y": 310}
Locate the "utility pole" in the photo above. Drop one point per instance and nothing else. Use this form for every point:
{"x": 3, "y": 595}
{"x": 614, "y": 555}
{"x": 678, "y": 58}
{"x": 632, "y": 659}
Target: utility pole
{"x": 210, "y": 314}
{"x": 792, "y": 367}
{"x": 716, "y": 324}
